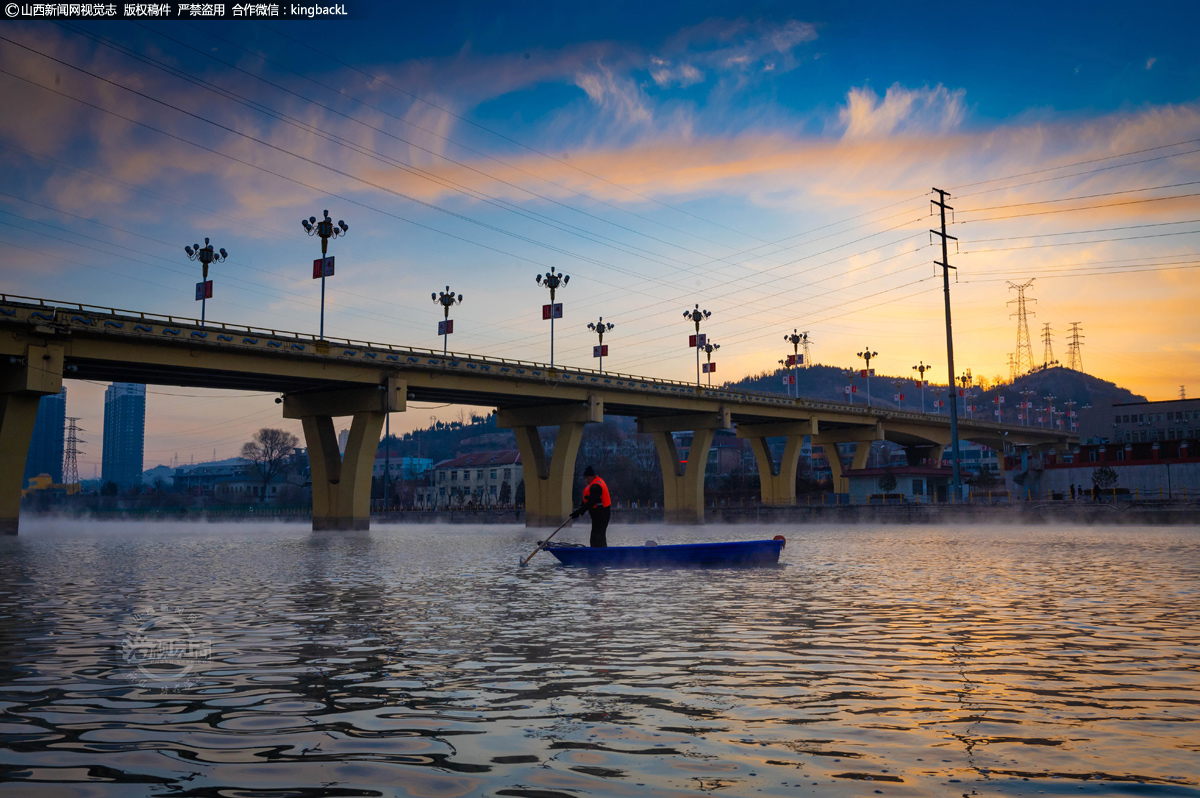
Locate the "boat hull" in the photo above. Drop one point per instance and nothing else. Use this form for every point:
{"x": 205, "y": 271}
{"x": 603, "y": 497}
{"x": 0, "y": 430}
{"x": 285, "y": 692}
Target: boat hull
{"x": 686, "y": 555}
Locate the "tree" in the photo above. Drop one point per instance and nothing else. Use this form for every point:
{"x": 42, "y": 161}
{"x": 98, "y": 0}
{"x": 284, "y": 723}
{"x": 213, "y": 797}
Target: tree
{"x": 520, "y": 500}
{"x": 505, "y": 492}
{"x": 1104, "y": 477}
{"x": 887, "y": 483}
{"x": 109, "y": 488}
{"x": 269, "y": 451}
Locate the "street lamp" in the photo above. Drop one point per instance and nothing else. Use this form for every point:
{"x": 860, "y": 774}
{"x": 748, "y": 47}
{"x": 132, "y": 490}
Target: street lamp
{"x": 850, "y": 374}
{"x": 786, "y": 380}
{"x": 796, "y": 338}
{"x": 697, "y": 341}
{"x": 600, "y": 328}
{"x": 326, "y": 229}
{"x": 922, "y": 369}
{"x": 205, "y": 255}
{"x": 446, "y": 299}
{"x": 708, "y": 367}
{"x": 899, "y": 397}
{"x": 1049, "y": 408}
{"x": 552, "y": 280}
{"x": 866, "y": 355}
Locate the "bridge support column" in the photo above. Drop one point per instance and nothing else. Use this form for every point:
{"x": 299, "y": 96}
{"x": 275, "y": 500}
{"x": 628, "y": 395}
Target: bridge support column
{"x": 862, "y": 436}
{"x": 22, "y": 385}
{"x": 777, "y": 481}
{"x": 683, "y": 484}
{"x": 341, "y": 485}
{"x": 548, "y": 482}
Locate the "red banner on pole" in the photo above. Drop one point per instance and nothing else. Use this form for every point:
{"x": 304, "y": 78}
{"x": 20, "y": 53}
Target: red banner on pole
{"x": 600, "y": 351}
{"x": 204, "y": 290}
{"x": 323, "y": 267}
{"x": 446, "y": 327}
{"x": 708, "y": 368}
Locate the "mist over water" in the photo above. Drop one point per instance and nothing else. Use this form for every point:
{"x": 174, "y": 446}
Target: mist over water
{"x": 143, "y": 660}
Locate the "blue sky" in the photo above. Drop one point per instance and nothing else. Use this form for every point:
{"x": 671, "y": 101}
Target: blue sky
{"x": 769, "y": 161}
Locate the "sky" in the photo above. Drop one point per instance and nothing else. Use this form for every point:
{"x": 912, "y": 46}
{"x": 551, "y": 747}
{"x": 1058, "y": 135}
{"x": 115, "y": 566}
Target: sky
{"x": 769, "y": 162}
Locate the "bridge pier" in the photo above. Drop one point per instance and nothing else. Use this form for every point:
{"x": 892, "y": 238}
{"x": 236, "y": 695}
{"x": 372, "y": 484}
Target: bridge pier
{"x": 22, "y": 385}
{"x": 683, "y": 483}
{"x": 548, "y": 482}
{"x": 862, "y": 437}
{"x": 777, "y": 481}
{"x": 341, "y": 485}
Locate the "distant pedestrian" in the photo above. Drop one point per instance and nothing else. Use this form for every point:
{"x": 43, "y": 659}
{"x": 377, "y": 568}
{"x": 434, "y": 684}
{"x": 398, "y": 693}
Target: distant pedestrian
{"x": 1072, "y": 491}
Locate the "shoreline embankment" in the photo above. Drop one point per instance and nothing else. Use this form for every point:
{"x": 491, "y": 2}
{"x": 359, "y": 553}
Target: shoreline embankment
{"x": 1022, "y": 513}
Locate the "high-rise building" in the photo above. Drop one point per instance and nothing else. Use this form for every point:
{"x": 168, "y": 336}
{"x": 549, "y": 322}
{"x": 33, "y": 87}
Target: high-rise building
{"x": 46, "y": 446}
{"x": 124, "y": 434}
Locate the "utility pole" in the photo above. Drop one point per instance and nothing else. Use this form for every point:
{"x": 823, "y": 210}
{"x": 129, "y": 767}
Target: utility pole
{"x": 1074, "y": 355}
{"x": 940, "y": 202}
{"x": 1024, "y": 356}
{"x": 866, "y": 355}
{"x": 71, "y": 453}
{"x": 1048, "y": 348}
{"x": 795, "y": 339}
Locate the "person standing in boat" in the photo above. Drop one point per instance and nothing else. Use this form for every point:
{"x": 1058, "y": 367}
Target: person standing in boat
{"x": 598, "y": 504}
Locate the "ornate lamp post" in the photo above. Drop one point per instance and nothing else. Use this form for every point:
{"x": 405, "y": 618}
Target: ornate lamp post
{"x": 922, "y": 369}
{"x": 850, "y": 374}
{"x": 866, "y": 355}
{"x": 552, "y": 280}
{"x": 326, "y": 229}
{"x": 786, "y": 379}
{"x": 697, "y": 341}
{"x": 446, "y": 299}
{"x": 205, "y": 255}
{"x": 600, "y": 328}
{"x": 708, "y": 367}
{"x": 796, "y": 339}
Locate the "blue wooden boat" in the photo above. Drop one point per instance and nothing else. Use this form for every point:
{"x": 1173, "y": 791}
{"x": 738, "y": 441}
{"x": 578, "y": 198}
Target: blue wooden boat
{"x": 686, "y": 555}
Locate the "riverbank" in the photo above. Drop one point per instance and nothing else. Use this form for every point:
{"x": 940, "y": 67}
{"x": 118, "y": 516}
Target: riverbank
{"x": 1023, "y": 513}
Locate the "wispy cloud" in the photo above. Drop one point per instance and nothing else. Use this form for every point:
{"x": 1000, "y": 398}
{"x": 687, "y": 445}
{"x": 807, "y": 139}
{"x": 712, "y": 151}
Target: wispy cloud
{"x": 901, "y": 111}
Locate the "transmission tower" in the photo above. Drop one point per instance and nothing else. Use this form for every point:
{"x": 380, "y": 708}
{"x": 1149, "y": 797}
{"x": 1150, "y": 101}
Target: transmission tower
{"x": 71, "y": 453}
{"x": 807, "y": 360}
{"x": 1024, "y": 355}
{"x": 1012, "y": 368}
{"x": 1074, "y": 356}
{"x": 1182, "y": 392}
{"x": 1048, "y": 347}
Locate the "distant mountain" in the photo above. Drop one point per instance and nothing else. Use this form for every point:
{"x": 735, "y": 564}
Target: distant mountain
{"x": 829, "y": 382}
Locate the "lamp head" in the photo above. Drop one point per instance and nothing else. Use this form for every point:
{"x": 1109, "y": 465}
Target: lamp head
{"x": 566, "y": 279}
{"x": 306, "y": 225}
{"x": 188, "y": 250}
{"x": 345, "y": 227}
{"x": 224, "y": 254}
{"x": 538, "y": 279}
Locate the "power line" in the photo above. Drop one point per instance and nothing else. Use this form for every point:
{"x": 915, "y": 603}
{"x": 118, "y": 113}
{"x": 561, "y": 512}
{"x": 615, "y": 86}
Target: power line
{"x": 1085, "y": 207}
{"x": 1080, "y": 243}
{"x": 1085, "y": 232}
{"x": 1076, "y": 163}
{"x": 1084, "y": 196}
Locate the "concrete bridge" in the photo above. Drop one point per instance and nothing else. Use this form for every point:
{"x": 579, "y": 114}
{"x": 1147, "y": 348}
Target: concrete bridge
{"x": 318, "y": 380}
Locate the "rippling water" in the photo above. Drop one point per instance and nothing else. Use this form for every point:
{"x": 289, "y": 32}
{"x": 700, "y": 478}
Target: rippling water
{"x": 249, "y": 660}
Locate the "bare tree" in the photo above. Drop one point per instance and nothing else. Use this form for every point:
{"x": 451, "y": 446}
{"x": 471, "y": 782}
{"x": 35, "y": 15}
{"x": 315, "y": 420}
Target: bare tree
{"x": 269, "y": 451}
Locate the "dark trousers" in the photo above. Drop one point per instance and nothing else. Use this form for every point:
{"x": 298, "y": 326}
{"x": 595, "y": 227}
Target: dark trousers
{"x": 600, "y": 516}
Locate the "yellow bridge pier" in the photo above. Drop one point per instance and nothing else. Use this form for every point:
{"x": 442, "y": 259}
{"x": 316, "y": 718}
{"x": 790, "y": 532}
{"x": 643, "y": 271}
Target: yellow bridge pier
{"x": 24, "y": 380}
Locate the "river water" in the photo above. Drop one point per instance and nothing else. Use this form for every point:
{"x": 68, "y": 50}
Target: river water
{"x": 251, "y": 660}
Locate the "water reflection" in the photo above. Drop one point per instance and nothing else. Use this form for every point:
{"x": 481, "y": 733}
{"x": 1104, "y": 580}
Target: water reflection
{"x": 422, "y": 661}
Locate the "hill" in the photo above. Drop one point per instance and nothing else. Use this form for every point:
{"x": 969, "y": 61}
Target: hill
{"x": 1065, "y": 385}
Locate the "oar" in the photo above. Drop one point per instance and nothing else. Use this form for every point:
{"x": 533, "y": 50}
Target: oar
{"x": 542, "y": 545}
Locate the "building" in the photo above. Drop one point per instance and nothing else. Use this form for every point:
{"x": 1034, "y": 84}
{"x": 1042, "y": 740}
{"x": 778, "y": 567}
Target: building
{"x": 237, "y": 481}
{"x": 46, "y": 446}
{"x": 477, "y": 478}
{"x": 919, "y": 483}
{"x": 124, "y": 434}
{"x": 401, "y": 468}
{"x": 1167, "y": 470}
{"x": 1141, "y": 422}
